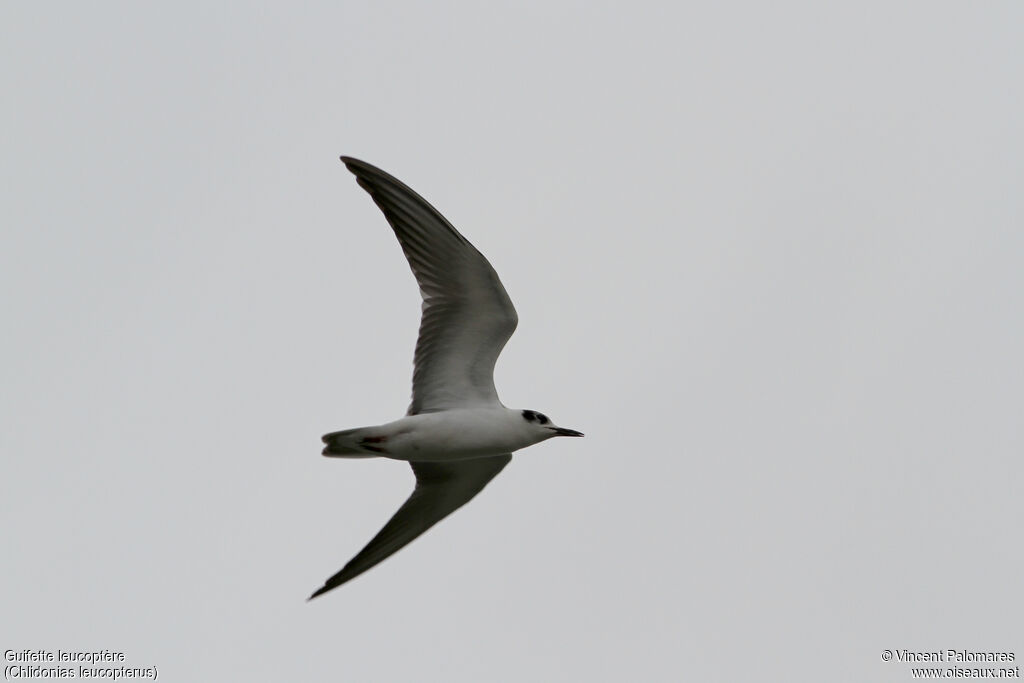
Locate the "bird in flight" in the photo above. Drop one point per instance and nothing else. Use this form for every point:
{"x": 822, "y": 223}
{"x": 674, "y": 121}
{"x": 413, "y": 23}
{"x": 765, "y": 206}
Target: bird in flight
{"x": 456, "y": 435}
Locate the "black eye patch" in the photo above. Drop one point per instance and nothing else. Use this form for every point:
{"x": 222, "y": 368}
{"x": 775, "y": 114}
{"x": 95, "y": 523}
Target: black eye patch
{"x": 542, "y": 419}
{"x": 530, "y": 416}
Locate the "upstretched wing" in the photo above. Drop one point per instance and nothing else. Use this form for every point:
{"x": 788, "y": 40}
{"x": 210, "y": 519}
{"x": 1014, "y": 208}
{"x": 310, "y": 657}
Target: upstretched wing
{"x": 467, "y": 315}
{"x": 441, "y": 489}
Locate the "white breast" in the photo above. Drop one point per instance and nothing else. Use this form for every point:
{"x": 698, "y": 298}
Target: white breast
{"x": 457, "y": 434}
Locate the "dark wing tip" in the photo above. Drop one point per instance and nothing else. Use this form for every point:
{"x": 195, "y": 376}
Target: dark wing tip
{"x": 319, "y": 591}
{"x": 354, "y": 164}
{"x": 339, "y": 579}
{"x": 368, "y": 175}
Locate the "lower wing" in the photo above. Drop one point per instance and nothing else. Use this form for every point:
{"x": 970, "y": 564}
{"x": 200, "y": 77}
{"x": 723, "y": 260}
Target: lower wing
{"x": 441, "y": 489}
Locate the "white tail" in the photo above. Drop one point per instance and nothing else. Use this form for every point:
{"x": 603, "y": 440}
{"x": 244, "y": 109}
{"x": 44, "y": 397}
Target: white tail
{"x": 353, "y": 443}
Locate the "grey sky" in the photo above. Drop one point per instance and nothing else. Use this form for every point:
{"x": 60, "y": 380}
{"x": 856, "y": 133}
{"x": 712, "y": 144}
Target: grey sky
{"x": 767, "y": 256}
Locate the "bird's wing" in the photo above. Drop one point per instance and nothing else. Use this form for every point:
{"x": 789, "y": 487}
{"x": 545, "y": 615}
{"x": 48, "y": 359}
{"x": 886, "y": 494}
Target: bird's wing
{"x": 467, "y": 315}
{"x": 441, "y": 489}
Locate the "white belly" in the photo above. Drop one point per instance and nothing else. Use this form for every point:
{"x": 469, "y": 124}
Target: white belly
{"x": 453, "y": 435}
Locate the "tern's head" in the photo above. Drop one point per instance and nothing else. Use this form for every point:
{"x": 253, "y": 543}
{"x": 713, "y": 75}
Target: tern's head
{"x": 540, "y": 423}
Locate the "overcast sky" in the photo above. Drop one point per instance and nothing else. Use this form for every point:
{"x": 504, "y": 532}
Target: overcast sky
{"x": 768, "y": 256}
